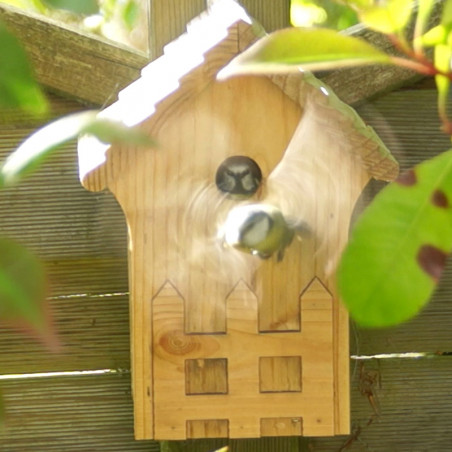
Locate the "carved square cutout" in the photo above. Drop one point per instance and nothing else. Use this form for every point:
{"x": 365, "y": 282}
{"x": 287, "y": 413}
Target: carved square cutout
{"x": 209, "y": 428}
{"x": 206, "y": 376}
{"x": 280, "y": 373}
{"x": 283, "y": 426}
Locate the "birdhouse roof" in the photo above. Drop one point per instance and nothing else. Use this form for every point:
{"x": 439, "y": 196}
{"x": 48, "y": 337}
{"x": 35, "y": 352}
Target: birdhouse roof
{"x": 192, "y": 61}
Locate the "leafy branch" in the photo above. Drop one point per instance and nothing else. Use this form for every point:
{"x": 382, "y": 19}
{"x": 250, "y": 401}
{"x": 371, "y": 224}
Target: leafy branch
{"x": 399, "y": 246}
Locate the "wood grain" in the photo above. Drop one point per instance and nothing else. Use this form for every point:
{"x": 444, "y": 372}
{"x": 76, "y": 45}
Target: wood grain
{"x": 74, "y": 64}
{"x": 95, "y": 413}
{"x": 88, "y": 413}
{"x": 81, "y": 66}
{"x": 272, "y": 16}
{"x": 417, "y": 412}
{"x": 203, "y": 314}
{"x": 198, "y": 123}
{"x": 239, "y": 405}
{"x": 94, "y": 70}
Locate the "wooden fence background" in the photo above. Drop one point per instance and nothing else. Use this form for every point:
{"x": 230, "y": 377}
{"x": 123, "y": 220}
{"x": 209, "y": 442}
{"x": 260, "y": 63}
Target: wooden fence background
{"x": 80, "y": 400}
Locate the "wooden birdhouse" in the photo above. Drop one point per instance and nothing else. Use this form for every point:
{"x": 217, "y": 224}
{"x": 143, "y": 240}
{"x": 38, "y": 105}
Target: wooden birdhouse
{"x": 224, "y": 343}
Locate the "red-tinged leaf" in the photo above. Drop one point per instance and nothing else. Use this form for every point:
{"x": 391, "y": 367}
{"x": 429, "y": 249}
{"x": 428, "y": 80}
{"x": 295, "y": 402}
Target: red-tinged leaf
{"x": 398, "y": 247}
{"x": 23, "y": 291}
{"x": 292, "y": 49}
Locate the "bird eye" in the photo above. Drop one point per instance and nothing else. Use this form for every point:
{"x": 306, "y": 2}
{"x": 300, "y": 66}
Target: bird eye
{"x": 239, "y": 168}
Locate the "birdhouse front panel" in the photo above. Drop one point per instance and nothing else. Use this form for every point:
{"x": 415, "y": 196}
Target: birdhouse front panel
{"x": 236, "y": 220}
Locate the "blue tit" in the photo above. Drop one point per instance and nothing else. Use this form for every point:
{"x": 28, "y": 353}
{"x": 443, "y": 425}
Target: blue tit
{"x": 239, "y": 177}
{"x": 258, "y": 229}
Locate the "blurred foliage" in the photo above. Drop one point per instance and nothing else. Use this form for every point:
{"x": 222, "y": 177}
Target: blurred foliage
{"x": 323, "y": 13}
{"x": 18, "y": 88}
{"x": 23, "y": 283}
{"x": 123, "y": 21}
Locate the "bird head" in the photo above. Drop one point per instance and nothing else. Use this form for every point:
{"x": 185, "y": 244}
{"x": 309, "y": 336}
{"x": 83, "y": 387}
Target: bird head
{"x": 239, "y": 177}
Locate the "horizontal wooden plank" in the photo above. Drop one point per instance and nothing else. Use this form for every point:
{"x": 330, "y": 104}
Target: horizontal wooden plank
{"x": 82, "y": 239}
{"x": 94, "y": 70}
{"x": 87, "y": 277}
{"x": 357, "y": 84}
{"x": 272, "y": 15}
{"x": 283, "y": 444}
{"x": 93, "y": 331}
{"x": 81, "y": 66}
{"x": 51, "y": 212}
{"x": 88, "y": 413}
{"x": 397, "y": 405}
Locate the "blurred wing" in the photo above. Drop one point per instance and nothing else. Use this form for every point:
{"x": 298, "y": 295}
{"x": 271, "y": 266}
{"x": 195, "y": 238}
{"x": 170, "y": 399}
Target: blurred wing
{"x": 200, "y": 242}
{"x": 303, "y": 184}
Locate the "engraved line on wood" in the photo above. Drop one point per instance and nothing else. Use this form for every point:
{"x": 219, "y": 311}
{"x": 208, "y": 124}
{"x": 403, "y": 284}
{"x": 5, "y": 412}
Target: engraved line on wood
{"x": 242, "y": 346}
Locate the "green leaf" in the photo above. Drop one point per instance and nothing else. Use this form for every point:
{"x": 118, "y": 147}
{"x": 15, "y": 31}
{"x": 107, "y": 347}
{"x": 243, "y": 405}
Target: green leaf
{"x": 434, "y": 36}
{"x": 304, "y": 13}
{"x": 392, "y": 17}
{"x": 358, "y": 4}
{"x": 18, "y": 88}
{"x": 23, "y": 290}
{"x": 446, "y": 16}
{"x": 424, "y": 10}
{"x": 399, "y": 246}
{"x": 442, "y": 60}
{"x": 40, "y": 145}
{"x": 292, "y": 49}
{"x": 115, "y": 132}
{"x": 130, "y": 13}
{"x": 85, "y": 7}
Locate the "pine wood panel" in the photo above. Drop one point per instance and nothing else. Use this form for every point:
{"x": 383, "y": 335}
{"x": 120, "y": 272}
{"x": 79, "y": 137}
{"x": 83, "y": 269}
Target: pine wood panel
{"x": 277, "y": 402}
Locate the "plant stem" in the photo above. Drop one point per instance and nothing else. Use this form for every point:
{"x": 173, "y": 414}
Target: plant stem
{"x": 418, "y": 66}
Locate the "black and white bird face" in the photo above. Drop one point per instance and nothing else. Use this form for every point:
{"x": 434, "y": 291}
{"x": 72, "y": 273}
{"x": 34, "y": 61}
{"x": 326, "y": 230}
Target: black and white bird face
{"x": 239, "y": 177}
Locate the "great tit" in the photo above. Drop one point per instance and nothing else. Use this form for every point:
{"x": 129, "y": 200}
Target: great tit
{"x": 258, "y": 229}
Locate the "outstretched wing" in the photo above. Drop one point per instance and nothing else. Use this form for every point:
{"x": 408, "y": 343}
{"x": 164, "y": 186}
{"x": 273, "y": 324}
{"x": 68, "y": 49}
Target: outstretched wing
{"x": 199, "y": 236}
{"x": 302, "y": 181}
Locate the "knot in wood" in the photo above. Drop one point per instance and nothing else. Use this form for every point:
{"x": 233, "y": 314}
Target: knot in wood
{"x": 176, "y": 342}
